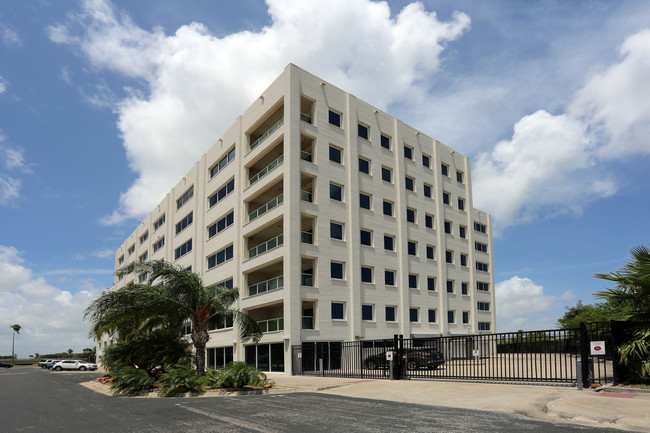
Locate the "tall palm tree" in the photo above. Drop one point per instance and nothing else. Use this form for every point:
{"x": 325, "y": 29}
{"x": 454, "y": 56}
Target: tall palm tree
{"x": 16, "y": 327}
{"x": 633, "y": 291}
{"x": 169, "y": 297}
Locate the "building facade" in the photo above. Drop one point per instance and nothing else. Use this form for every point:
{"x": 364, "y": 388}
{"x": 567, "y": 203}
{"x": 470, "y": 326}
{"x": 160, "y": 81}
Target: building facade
{"x": 335, "y": 221}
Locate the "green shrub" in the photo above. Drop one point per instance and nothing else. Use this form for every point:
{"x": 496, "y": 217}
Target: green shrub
{"x": 178, "y": 380}
{"x": 131, "y": 381}
{"x": 235, "y": 375}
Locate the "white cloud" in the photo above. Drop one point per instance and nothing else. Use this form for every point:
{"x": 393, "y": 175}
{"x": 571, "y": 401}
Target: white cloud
{"x": 10, "y": 37}
{"x": 9, "y": 184}
{"x": 3, "y": 85}
{"x": 9, "y": 190}
{"x": 198, "y": 83}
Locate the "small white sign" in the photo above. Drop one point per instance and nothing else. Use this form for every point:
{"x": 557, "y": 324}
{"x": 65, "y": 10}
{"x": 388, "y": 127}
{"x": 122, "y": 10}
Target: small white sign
{"x": 299, "y": 355}
{"x": 597, "y": 347}
{"x": 476, "y": 352}
{"x": 389, "y": 356}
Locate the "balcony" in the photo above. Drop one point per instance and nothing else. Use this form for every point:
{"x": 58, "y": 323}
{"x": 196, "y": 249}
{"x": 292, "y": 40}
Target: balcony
{"x": 307, "y": 188}
{"x": 266, "y": 207}
{"x": 306, "y": 156}
{"x": 266, "y": 134}
{"x": 271, "y": 325}
{"x": 276, "y": 283}
{"x": 266, "y": 246}
{"x": 266, "y": 170}
{"x": 308, "y": 308}
{"x": 307, "y": 322}
{"x": 306, "y": 148}
{"x": 307, "y": 275}
{"x": 307, "y": 229}
{"x": 306, "y": 109}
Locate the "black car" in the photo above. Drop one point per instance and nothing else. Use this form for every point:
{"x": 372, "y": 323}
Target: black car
{"x": 5, "y": 365}
{"x": 414, "y": 359}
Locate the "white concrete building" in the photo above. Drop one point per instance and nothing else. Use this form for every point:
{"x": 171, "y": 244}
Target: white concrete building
{"x": 336, "y": 221}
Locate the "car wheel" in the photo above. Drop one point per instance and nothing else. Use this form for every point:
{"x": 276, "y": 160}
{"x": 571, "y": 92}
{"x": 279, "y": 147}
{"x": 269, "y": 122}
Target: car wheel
{"x": 412, "y": 365}
{"x": 371, "y": 365}
{"x": 58, "y": 368}
{"x": 82, "y": 368}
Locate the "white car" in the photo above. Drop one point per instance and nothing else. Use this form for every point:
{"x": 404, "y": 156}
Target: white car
{"x": 74, "y": 364}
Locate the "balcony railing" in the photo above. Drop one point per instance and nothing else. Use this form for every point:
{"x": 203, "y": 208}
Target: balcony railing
{"x": 276, "y": 283}
{"x": 305, "y": 117}
{"x": 307, "y": 196}
{"x": 307, "y": 280}
{"x": 307, "y": 322}
{"x": 266, "y": 207}
{"x": 266, "y": 246}
{"x": 306, "y": 156}
{"x": 271, "y": 325}
{"x": 307, "y": 237}
{"x": 267, "y": 133}
{"x": 266, "y": 170}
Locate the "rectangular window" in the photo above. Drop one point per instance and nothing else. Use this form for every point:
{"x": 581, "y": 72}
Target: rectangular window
{"x": 462, "y": 232}
{"x": 459, "y": 176}
{"x": 408, "y": 152}
{"x": 142, "y": 278}
{"x": 221, "y": 193}
{"x": 334, "y": 118}
{"x": 449, "y": 256}
{"x": 426, "y": 188}
{"x": 446, "y": 198}
{"x": 409, "y": 183}
{"x": 482, "y": 286}
{"x": 389, "y": 277}
{"x": 432, "y": 316}
{"x": 390, "y": 313}
{"x": 222, "y": 163}
{"x": 431, "y": 252}
{"x": 386, "y": 174}
{"x": 480, "y": 227}
{"x": 364, "y": 165}
{"x": 410, "y": 215}
{"x": 183, "y": 249}
{"x": 444, "y": 168}
{"x": 461, "y": 203}
{"x": 366, "y": 237}
{"x": 336, "y": 230}
{"x": 450, "y": 317}
{"x": 431, "y": 284}
{"x": 463, "y": 259}
{"x": 182, "y": 224}
{"x": 413, "y": 314}
{"x": 464, "y": 288}
{"x": 478, "y": 246}
{"x": 483, "y": 326}
{"x": 159, "y": 244}
{"x": 483, "y": 267}
{"x": 483, "y": 306}
{"x": 185, "y": 197}
{"x": 448, "y": 227}
{"x": 337, "y": 270}
{"x": 428, "y": 221}
{"x": 426, "y": 160}
{"x": 336, "y": 154}
{"x": 389, "y": 243}
{"x": 221, "y": 224}
{"x": 365, "y": 201}
{"x": 412, "y": 248}
{"x": 388, "y": 208}
{"x": 160, "y": 221}
{"x": 336, "y": 192}
{"x": 465, "y": 317}
{"x": 144, "y": 257}
{"x": 131, "y": 250}
{"x": 450, "y": 286}
{"x": 363, "y": 131}
{"x": 413, "y": 281}
{"x": 144, "y": 237}
{"x": 120, "y": 260}
{"x": 220, "y": 257}
{"x": 338, "y": 310}
{"x": 366, "y": 312}
{"x": 385, "y": 141}
{"x": 366, "y": 274}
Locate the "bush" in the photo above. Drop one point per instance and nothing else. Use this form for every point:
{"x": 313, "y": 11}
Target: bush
{"x": 178, "y": 380}
{"x": 235, "y": 375}
{"x": 131, "y": 381}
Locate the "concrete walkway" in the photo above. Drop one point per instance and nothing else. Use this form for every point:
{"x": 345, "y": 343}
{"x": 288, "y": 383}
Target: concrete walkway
{"x": 626, "y": 411}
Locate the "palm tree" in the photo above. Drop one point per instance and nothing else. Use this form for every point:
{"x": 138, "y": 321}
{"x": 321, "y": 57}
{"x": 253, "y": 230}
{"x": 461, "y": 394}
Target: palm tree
{"x": 633, "y": 291}
{"x": 170, "y": 297}
{"x": 16, "y": 327}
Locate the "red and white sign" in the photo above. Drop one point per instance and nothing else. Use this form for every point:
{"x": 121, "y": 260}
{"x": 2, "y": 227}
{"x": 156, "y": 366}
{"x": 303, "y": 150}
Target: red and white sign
{"x": 389, "y": 356}
{"x": 597, "y": 347}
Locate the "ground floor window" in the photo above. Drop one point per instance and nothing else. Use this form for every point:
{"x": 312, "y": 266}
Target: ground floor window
{"x": 218, "y": 357}
{"x": 266, "y": 357}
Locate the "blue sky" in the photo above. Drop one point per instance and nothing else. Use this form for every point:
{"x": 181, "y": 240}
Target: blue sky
{"x": 105, "y": 105}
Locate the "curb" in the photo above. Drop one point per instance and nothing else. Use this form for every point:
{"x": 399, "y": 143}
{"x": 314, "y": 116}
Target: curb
{"x": 619, "y": 389}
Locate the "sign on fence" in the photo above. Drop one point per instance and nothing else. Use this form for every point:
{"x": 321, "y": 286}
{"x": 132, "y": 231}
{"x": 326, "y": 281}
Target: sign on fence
{"x": 597, "y": 347}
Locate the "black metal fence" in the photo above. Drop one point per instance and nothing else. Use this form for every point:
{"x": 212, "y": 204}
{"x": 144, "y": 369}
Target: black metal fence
{"x": 548, "y": 356}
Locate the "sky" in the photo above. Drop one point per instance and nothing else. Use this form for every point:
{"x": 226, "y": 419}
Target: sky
{"x": 105, "y": 105}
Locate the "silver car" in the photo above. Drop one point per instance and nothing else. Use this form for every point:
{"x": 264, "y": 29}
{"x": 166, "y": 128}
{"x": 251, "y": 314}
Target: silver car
{"x": 74, "y": 364}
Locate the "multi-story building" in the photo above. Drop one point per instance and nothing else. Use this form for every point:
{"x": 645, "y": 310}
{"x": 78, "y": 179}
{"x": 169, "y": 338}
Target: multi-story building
{"x": 336, "y": 221}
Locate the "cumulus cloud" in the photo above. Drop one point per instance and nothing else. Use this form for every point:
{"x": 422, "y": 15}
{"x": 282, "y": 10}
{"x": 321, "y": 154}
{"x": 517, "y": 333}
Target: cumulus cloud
{"x": 197, "y": 83}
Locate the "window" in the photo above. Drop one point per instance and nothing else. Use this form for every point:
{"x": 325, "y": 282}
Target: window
{"x": 364, "y": 165}
{"x": 444, "y": 168}
{"x": 335, "y": 154}
{"x": 432, "y": 316}
{"x": 222, "y": 163}
{"x": 363, "y": 131}
{"x": 144, "y": 237}
{"x": 426, "y": 160}
{"x": 462, "y": 232}
{"x": 413, "y": 281}
{"x": 390, "y": 313}
{"x": 386, "y": 174}
{"x": 336, "y": 192}
{"x": 185, "y": 197}
{"x": 466, "y": 317}
{"x": 183, "y": 249}
{"x": 365, "y": 201}
{"x": 221, "y": 193}
{"x": 131, "y": 250}
{"x": 412, "y": 248}
{"x": 450, "y": 286}
{"x": 448, "y": 227}
{"x": 427, "y": 190}
{"x": 366, "y": 312}
{"x": 180, "y": 226}
{"x": 450, "y": 317}
{"x": 385, "y": 141}
{"x": 144, "y": 256}
{"x": 366, "y": 237}
{"x": 334, "y": 118}
{"x": 464, "y": 288}
{"x": 431, "y": 252}
{"x": 389, "y": 277}
{"x": 221, "y": 224}
{"x": 478, "y": 246}
{"x": 120, "y": 260}
{"x": 480, "y": 227}
{"x": 389, "y": 243}
{"x": 446, "y": 197}
{"x": 337, "y": 270}
{"x": 428, "y": 221}
{"x": 409, "y": 183}
{"x": 431, "y": 284}
{"x": 449, "y": 256}
{"x": 410, "y": 215}
{"x": 480, "y": 266}
{"x": 220, "y": 257}
{"x": 461, "y": 203}
{"x": 159, "y": 244}
{"x": 408, "y": 152}
{"x": 142, "y": 278}
{"x": 459, "y": 176}
{"x": 336, "y": 230}
{"x": 159, "y": 222}
{"x": 483, "y": 326}
{"x": 388, "y": 208}
{"x": 338, "y": 310}
{"x": 463, "y": 259}
{"x": 366, "y": 274}
{"x": 483, "y": 306}
{"x": 482, "y": 286}
{"x": 413, "y": 314}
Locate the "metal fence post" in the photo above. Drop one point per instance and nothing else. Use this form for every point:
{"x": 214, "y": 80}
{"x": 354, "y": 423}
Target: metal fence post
{"x": 584, "y": 354}
{"x": 579, "y": 374}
